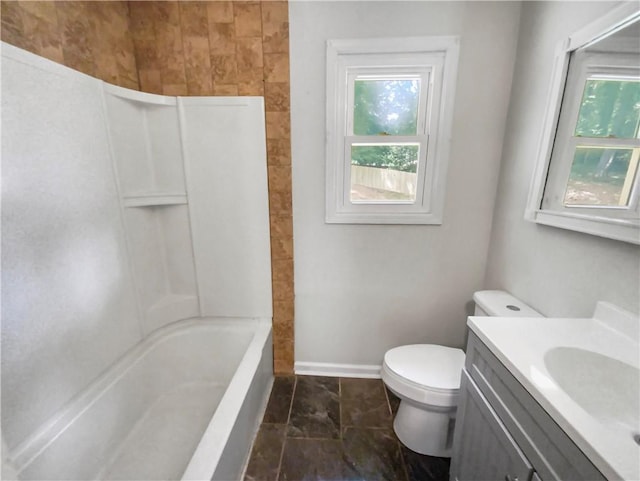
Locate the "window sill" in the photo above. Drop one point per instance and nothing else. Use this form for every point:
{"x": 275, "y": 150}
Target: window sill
{"x": 617, "y": 229}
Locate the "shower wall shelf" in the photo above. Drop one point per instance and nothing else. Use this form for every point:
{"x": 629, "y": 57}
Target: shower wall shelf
{"x": 154, "y": 200}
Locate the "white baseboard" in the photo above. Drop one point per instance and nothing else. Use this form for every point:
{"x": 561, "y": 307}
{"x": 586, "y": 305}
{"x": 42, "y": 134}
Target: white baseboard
{"x": 370, "y": 371}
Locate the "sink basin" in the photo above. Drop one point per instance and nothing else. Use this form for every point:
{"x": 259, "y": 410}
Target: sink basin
{"x": 606, "y": 388}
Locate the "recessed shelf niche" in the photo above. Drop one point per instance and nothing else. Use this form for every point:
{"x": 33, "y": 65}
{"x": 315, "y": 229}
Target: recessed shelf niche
{"x": 145, "y": 140}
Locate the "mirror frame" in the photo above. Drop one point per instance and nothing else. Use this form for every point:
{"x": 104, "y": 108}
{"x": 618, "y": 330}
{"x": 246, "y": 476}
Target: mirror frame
{"x": 619, "y": 229}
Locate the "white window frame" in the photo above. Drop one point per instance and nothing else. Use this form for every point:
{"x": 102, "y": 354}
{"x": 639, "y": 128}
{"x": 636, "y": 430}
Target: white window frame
{"x": 609, "y": 222}
{"x": 432, "y": 59}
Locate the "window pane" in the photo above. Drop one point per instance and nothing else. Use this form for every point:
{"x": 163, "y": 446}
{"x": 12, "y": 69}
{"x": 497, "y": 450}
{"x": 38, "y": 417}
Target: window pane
{"x": 601, "y": 177}
{"x": 609, "y": 108}
{"x": 384, "y": 172}
{"x": 386, "y": 107}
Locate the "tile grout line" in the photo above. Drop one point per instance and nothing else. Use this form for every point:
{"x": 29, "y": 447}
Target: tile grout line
{"x": 293, "y": 394}
{"x": 341, "y": 431}
{"x": 340, "y": 437}
{"x": 314, "y": 439}
{"x": 386, "y": 395}
{"x": 286, "y": 426}
{"x": 403, "y": 461}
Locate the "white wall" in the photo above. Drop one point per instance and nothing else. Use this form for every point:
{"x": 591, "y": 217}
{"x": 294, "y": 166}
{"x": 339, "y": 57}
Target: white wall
{"x": 560, "y": 272}
{"x": 361, "y": 289}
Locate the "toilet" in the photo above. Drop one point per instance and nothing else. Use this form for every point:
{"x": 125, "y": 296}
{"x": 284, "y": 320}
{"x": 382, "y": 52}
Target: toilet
{"x": 426, "y": 378}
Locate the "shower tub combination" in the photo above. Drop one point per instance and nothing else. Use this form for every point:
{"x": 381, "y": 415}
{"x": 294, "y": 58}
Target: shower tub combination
{"x": 137, "y": 298}
{"x": 183, "y": 404}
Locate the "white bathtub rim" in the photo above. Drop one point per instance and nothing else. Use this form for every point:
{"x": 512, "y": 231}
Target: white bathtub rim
{"x": 206, "y": 457}
{"x": 31, "y": 447}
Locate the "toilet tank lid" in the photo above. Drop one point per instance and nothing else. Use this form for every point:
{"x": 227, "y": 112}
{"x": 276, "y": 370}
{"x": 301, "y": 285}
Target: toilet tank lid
{"x": 503, "y": 304}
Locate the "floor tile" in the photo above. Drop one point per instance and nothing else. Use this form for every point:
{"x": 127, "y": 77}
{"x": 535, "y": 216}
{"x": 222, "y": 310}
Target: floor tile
{"x": 374, "y": 454}
{"x": 265, "y": 455}
{"x": 315, "y": 412}
{"x": 425, "y": 468}
{"x": 280, "y": 400}
{"x": 364, "y": 403}
{"x": 315, "y": 460}
{"x": 337, "y": 430}
{"x": 354, "y": 389}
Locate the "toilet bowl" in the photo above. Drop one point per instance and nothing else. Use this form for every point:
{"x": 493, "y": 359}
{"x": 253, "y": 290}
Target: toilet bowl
{"x": 426, "y": 378}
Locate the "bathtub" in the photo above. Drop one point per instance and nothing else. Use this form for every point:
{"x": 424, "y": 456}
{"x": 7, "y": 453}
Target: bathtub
{"x": 183, "y": 404}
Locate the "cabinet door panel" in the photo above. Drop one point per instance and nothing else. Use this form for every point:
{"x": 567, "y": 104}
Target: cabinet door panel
{"x": 483, "y": 449}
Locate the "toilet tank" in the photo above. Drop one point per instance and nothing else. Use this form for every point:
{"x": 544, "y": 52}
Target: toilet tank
{"x": 501, "y": 304}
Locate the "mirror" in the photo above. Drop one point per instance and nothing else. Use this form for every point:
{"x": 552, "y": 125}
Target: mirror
{"x": 589, "y": 178}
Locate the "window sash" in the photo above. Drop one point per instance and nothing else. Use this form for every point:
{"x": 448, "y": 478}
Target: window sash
{"x": 421, "y": 202}
{"x": 423, "y": 73}
{"x": 630, "y": 188}
{"x": 630, "y": 210}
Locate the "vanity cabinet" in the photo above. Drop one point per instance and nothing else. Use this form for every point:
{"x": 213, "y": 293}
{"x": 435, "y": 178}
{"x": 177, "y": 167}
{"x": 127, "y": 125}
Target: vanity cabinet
{"x": 502, "y": 433}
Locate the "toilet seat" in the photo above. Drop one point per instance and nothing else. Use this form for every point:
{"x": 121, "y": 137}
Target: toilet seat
{"x": 424, "y": 373}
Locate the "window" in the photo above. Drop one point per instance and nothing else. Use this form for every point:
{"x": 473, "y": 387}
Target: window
{"x": 389, "y": 104}
{"x": 592, "y": 182}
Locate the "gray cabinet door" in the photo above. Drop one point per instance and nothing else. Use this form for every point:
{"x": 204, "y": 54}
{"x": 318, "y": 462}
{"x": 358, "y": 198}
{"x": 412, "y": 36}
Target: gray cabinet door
{"x": 548, "y": 448}
{"x": 483, "y": 449}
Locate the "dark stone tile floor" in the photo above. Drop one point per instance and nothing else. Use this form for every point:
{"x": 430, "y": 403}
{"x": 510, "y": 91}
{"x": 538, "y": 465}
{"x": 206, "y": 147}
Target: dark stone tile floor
{"x": 335, "y": 429}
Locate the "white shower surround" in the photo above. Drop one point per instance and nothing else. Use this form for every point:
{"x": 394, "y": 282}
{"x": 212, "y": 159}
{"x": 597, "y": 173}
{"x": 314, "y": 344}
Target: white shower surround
{"x": 136, "y": 278}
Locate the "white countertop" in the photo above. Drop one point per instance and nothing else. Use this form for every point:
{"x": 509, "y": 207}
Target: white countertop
{"x": 521, "y": 343}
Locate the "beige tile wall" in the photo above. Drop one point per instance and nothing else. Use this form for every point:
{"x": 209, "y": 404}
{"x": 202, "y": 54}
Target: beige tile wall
{"x": 186, "y": 48}
{"x": 92, "y": 37}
